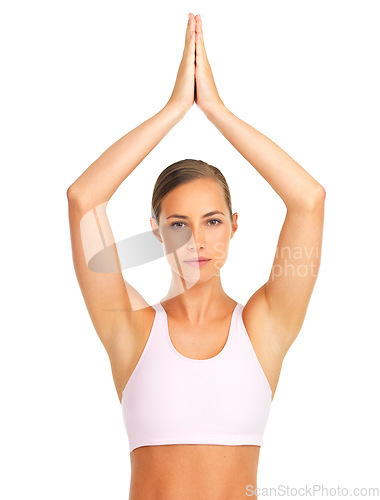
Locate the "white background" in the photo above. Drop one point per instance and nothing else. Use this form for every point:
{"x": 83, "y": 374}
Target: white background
{"x": 77, "y": 76}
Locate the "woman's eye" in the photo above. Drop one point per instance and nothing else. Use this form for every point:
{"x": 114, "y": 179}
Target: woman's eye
{"x": 215, "y": 220}
{"x": 174, "y": 224}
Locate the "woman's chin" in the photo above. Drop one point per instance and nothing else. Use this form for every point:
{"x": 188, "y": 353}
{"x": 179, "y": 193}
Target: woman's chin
{"x": 197, "y": 275}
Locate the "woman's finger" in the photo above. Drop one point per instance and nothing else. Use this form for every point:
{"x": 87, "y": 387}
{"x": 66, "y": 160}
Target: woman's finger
{"x": 199, "y": 35}
{"x": 198, "y": 20}
{"x": 190, "y": 25}
{"x": 190, "y": 35}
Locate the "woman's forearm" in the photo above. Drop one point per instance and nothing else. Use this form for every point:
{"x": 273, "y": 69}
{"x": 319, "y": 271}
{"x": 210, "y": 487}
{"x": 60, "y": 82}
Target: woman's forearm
{"x": 296, "y": 187}
{"x": 102, "y": 178}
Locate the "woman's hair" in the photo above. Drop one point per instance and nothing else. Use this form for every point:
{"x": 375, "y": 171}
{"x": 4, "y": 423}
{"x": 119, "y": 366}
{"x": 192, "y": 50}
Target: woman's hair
{"x": 184, "y": 171}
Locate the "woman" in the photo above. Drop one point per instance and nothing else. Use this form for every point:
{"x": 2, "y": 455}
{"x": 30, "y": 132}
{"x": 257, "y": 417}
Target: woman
{"x": 196, "y": 400}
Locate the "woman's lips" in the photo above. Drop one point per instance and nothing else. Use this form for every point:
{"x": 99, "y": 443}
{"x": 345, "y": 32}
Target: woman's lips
{"x": 197, "y": 263}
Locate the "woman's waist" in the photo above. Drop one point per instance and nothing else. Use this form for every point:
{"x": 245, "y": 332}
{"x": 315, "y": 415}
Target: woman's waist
{"x": 214, "y": 472}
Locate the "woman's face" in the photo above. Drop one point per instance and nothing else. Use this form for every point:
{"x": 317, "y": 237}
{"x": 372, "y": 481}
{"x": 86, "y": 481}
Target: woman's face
{"x": 195, "y": 223}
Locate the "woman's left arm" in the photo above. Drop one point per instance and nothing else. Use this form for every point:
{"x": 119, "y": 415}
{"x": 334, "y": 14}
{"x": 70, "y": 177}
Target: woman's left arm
{"x": 287, "y": 292}
{"x": 297, "y": 259}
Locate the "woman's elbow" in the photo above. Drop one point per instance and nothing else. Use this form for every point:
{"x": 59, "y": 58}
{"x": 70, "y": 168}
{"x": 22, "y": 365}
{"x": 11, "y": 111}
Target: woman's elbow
{"x": 318, "y": 197}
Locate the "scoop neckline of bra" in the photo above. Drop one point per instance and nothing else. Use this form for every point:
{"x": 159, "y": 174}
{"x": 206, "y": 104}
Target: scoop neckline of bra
{"x": 192, "y": 360}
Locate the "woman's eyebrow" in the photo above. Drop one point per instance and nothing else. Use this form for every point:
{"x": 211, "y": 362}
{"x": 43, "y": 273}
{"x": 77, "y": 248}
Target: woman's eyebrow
{"x": 186, "y": 217}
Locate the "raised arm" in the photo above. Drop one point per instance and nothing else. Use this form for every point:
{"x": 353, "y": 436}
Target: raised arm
{"x": 109, "y": 299}
{"x": 284, "y": 298}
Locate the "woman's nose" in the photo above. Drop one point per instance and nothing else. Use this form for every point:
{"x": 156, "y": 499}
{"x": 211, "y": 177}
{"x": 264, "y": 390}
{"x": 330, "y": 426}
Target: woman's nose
{"x": 197, "y": 239}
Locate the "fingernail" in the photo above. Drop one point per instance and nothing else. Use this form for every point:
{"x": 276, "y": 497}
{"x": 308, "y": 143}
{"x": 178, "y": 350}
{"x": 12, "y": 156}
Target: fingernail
{"x": 189, "y": 16}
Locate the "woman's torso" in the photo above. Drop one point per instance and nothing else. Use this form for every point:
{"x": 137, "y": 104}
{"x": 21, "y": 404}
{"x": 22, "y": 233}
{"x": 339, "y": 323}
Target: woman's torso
{"x": 193, "y": 471}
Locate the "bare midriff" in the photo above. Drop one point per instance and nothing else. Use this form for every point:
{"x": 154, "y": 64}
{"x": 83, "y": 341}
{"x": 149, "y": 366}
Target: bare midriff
{"x": 193, "y": 472}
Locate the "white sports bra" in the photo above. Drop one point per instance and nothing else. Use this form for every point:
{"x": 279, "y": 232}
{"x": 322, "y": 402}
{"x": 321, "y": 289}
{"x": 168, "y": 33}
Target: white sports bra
{"x": 173, "y": 399}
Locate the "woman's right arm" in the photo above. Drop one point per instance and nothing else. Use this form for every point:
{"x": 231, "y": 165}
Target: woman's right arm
{"x": 112, "y": 303}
